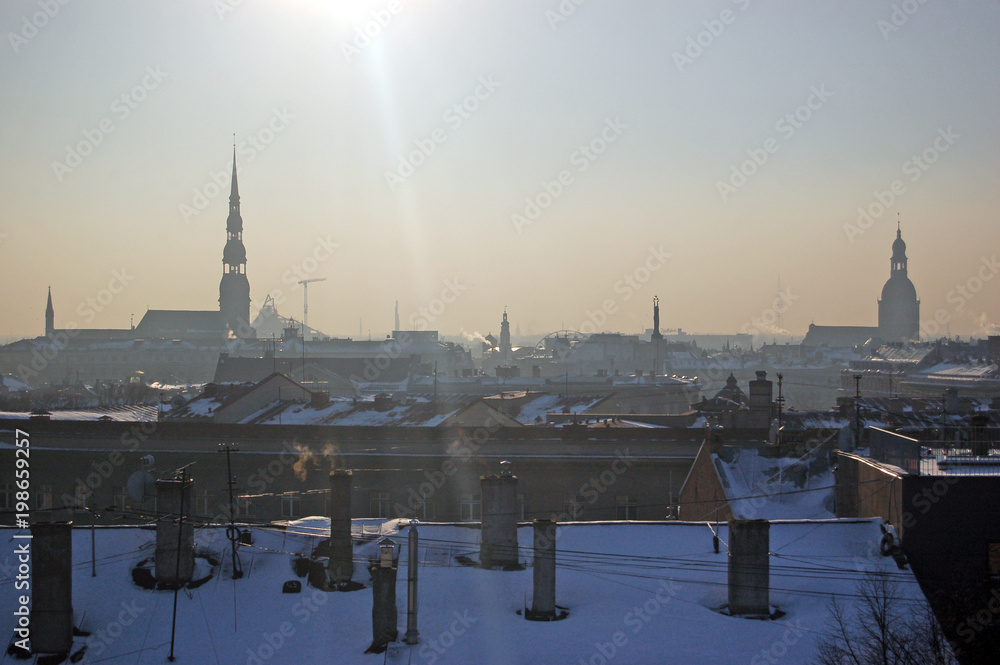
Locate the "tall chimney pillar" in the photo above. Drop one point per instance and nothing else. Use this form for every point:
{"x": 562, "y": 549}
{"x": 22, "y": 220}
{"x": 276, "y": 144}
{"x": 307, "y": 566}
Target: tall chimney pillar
{"x": 341, "y": 547}
{"x": 749, "y": 568}
{"x": 174, "y": 532}
{"x": 498, "y": 538}
{"x": 52, "y": 587}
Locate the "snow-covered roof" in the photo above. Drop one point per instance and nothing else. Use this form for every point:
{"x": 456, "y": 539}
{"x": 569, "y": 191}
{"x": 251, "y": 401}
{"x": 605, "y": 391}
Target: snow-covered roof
{"x": 780, "y": 487}
{"x": 651, "y": 592}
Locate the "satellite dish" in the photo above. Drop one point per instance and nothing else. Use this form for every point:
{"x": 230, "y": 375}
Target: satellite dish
{"x": 141, "y": 486}
{"x": 147, "y": 461}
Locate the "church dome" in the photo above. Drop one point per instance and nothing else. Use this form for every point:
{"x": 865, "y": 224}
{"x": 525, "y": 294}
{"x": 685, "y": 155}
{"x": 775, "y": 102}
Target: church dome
{"x": 235, "y": 253}
{"x": 899, "y": 288}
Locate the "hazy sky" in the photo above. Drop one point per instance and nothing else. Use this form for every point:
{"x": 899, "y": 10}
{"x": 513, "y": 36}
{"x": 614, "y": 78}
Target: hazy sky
{"x": 405, "y": 163}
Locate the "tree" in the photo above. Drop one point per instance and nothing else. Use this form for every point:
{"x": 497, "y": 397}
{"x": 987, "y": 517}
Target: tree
{"x": 885, "y": 630}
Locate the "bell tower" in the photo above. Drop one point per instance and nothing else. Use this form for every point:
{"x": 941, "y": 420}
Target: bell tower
{"x": 234, "y": 290}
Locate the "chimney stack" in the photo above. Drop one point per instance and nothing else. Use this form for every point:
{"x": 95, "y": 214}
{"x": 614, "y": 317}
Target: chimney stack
{"x": 341, "y": 547}
{"x": 749, "y": 568}
{"x": 384, "y": 615}
{"x": 52, "y": 587}
{"x": 760, "y": 401}
{"x": 543, "y": 604}
{"x": 174, "y": 533}
{"x": 498, "y": 538}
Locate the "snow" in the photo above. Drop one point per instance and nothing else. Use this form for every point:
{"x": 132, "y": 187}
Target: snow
{"x": 651, "y": 592}
{"x": 781, "y": 488}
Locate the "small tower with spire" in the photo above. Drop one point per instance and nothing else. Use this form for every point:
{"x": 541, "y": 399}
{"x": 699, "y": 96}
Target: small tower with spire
{"x": 898, "y": 308}
{"x": 506, "y": 352}
{"x": 50, "y": 317}
{"x": 234, "y": 290}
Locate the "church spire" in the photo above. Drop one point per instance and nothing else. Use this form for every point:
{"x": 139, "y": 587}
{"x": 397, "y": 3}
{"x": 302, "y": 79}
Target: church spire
{"x": 234, "y": 192}
{"x": 234, "y": 290}
{"x": 50, "y": 317}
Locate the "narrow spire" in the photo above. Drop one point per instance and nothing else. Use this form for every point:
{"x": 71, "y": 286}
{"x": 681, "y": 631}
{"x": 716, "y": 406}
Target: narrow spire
{"x": 50, "y": 317}
{"x": 234, "y": 194}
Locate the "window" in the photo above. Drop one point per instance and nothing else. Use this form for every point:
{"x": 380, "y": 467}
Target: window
{"x": 472, "y": 507}
{"x": 43, "y": 497}
{"x": 573, "y": 507}
{"x": 290, "y": 504}
{"x": 7, "y": 496}
{"x": 120, "y": 498}
{"x": 82, "y": 496}
{"x": 424, "y": 510}
{"x": 378, "y": 504}
{"x": 625, "y": 507}
{"x": 243, "y": 506}
{"x": 994, "y": 562}
{"x": 201, "y": 502}
{"x": 520, "y": 507}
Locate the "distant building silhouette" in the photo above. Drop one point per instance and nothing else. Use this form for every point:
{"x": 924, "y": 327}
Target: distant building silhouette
{"x": 898, "y": 311}
{"x": 898, "y": 308}
{"x": 50, "y": 317}
{"x": 656, "y": 319}
{"x": 506, "y": 351}
{"x": 234, "y": 289}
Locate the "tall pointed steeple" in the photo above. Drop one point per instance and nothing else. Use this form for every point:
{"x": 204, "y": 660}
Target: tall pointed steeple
{"x": 234, "y": 290}
{"x": 50, "y": 317}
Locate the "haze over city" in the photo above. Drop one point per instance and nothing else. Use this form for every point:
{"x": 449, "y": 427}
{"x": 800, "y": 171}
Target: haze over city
{"x": 566, "y": 161}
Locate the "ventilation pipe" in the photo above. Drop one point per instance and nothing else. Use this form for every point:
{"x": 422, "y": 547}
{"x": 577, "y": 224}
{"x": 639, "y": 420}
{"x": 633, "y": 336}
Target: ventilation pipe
{"x": 498, "y": 538}
{"x": 383, "y": 572}
{"x": 52, "y": 587}
{"x": 174, "y": 533}
{"x": 543, "y": 604}
{"x": 749, "y": 568}
{"x": 341, "y": 567}
{"x": 412, "y": 635}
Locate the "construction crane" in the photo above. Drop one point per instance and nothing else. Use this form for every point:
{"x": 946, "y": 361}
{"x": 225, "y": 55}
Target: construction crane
{"x": 305, "y": 302}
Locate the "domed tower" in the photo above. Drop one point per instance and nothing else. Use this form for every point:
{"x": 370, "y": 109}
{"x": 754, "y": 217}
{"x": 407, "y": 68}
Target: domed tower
{"x": 234, "y": 290}
{"x": 898, "y": 308}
